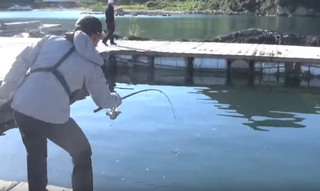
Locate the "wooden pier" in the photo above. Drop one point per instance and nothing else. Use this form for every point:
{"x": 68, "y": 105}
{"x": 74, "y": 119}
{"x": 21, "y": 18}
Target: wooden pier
{"x": 235, "y": 51}
{"x": 235, "y": 54}
{"x": 263, "y": 52}
{"x": 23, "y": 186}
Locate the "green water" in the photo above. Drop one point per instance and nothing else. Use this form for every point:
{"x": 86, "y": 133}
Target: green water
{"x": 179, "y": 26}
{"x": 226, "y": 137}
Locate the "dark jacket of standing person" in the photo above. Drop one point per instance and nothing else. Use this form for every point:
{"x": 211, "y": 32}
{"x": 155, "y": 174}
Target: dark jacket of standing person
{"x": 109, "y": 14}
{"x": 110, "y": 22}
{"x": 41, "y": 103}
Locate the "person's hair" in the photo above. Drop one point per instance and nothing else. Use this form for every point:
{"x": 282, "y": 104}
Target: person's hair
{"x": 87, "y": 24}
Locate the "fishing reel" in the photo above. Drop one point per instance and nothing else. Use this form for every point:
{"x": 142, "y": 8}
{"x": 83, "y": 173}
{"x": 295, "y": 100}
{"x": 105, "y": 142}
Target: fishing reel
{"x": 113, "y": 113}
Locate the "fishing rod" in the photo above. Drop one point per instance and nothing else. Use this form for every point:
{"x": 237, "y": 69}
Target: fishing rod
{"x": 115, "y": 112}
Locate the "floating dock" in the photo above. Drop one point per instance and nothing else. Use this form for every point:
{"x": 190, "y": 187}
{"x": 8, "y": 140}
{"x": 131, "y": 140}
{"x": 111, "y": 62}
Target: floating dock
{"x": 206, "y": 56}
{"x": 16, "y": 28}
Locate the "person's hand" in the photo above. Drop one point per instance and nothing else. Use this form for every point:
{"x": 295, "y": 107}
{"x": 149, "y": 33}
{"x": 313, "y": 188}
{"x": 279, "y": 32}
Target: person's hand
{"x": 117, "y": 98}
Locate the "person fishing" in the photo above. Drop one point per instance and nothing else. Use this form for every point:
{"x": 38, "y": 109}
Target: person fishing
{"x": 110, "y": 22}
{"x": 62, "y": 71}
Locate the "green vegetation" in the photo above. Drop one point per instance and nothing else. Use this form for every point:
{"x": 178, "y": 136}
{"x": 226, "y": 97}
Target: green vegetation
{"x": 134, "y": 29}
{"x": 254, "y": 6}
{"x": 261, "y": 6}
{"x": 168, "y": 5}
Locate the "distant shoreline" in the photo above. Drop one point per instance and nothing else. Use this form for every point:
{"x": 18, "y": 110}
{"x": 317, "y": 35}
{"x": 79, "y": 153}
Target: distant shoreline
{"x": 120, "y": 10}
{"x": 135, "y": 12}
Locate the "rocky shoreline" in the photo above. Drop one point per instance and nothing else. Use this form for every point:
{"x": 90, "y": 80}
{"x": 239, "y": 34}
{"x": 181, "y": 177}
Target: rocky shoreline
{"x": 275, "y": 11}
{"x": 214, "y": 12}
{"x": 122, "y": 12}
{"x": 252, "y": 35}
{"x": 280, "y": 12}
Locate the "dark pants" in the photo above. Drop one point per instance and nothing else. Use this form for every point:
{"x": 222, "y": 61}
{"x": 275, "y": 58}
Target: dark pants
{"x": 69, "y": 137}
{"x": 110, "y": 30}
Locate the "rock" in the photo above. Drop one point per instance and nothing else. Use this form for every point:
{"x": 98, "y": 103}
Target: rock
{"x": 260, "y": 36}
{"x": 301, "y": 11}
{"x": 283, "y": 11}
{"x": 116, "y": 36}
{"x": 251, "y": 35}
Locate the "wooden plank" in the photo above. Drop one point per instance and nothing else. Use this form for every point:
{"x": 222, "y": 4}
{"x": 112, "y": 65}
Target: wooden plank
{"x": 273, "y": 50}
{"x": 238, "y": 49}
{"x": 225, "y": 47}
{"x": 282, "y": 51}
{"x": 192, "y": 48}
{"x": 186, "y": 46}
{"x": 165, "y": 47}
{"x": 305, "y": 53}
{"x": 252, "y": 50}
{"x": 241, "y": 50}
{"x": 215, "y": 46}
{"x": 202, "y": 48}
{"x": 141, "y": 45}
{"x": 262, "y": 50}
{"x": 174, "y": 47}
{"x": 229, "y": 48}
{"x": 205, "y": 46}
{"x": 270, "y": 52}
{"x": 7, "y": 185}
{"x": 292, "y": 53}
{"x": 157, "y": 44}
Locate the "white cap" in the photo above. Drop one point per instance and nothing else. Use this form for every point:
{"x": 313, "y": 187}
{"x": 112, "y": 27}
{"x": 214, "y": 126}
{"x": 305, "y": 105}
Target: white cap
{"x": 110, "y": 1}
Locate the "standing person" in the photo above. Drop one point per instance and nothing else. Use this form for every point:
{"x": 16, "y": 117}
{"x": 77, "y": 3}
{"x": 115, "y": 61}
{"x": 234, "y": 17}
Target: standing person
{"x": 59, "y": 67}
{"x": 110, "y": 21}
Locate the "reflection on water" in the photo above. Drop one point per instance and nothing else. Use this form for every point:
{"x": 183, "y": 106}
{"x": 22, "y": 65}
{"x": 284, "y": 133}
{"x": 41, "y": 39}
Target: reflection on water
{"x": 268, "y": 103}
{"x": 260, "y": 107}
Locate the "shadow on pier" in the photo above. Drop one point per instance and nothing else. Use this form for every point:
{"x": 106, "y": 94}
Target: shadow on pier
{"x": 262, "y": 100}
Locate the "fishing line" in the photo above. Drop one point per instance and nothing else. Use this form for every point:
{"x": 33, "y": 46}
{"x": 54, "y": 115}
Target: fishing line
{"x": 145, "y": 90}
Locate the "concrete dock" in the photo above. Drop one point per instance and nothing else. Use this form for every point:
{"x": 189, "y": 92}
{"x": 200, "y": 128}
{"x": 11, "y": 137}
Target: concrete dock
{"x": 23, "y": 186}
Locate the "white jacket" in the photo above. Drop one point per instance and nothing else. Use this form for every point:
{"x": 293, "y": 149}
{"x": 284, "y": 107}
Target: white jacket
{"x": 42, "y": 96}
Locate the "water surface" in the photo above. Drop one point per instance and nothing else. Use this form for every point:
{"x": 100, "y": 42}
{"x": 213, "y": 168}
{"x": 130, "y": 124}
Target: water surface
{"x": 178, "y": 26}
{"x": 226, "y": 138}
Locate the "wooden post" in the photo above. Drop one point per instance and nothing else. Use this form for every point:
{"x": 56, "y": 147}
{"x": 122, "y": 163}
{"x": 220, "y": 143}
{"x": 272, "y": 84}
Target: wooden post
{"x": 189, "y": 70}
{"x": 150, "y": 69}
{"x": 297, "y": 69}
{"x": 278, "y": 73}
{"x": 133, "y": 60}
{"x": 251, "y": 73}
{"x": 229, "y": 62}
{"x": 150, "y": 75}
{"x": 151, "y": 61}
{"x": 292, "y": 72}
